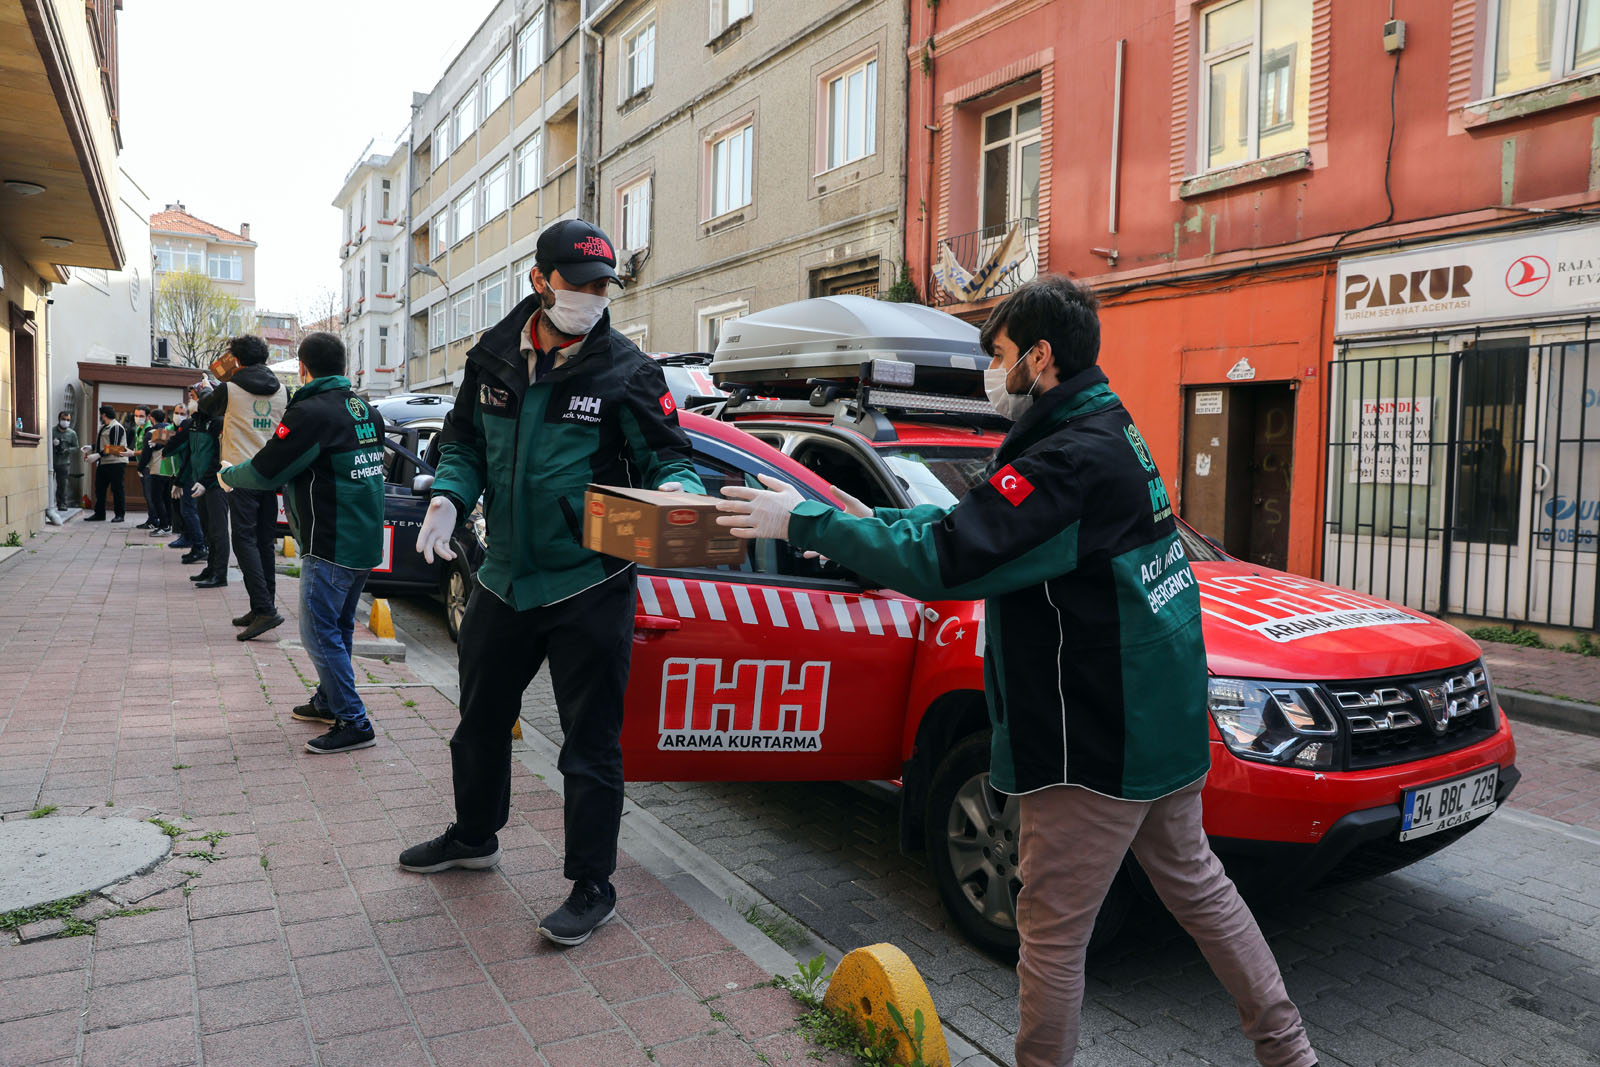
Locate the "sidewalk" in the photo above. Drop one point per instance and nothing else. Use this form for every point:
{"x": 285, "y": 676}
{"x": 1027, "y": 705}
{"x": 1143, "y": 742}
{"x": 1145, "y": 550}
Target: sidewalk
{"x": 124, "y": 694}
{"x": 1544, "y": 671}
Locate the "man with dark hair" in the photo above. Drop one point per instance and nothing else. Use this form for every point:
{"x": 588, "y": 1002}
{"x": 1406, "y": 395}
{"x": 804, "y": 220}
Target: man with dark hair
{"x": 110, "y": 458}
{"x": 249, "y": 405}
{"x": 152, "y": 454}
{"x": 551, "y": 399}
{"x": 141, "y": 457}
{"x": 179, "y": 455}
{"x": 1094, "y": 665}
{"x": 63, "y": 443}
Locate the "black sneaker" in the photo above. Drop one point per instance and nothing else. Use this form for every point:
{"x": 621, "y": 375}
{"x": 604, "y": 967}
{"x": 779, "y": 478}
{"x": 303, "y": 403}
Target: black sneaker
{"x": 589, "y": 905}
{"x": 192, "y": 557}
{"x": 342, "y": 738}
{"x": 258, "y": 626}
{"x": 246, "y": 619}
{"x": 117, "y": 519}
{"x": 94, "y": 518}
{"x": 309, "y": 712}
{"x": 445, "y": 852}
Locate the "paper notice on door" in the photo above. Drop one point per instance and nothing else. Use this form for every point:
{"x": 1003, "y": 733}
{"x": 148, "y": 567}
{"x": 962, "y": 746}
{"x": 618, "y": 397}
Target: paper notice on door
{"x": 1208, "y": 403}
{"x": 1202, "y": 465}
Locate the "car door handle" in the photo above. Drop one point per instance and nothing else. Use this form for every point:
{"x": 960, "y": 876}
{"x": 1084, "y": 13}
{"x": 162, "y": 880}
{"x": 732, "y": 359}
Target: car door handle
{"x": 656, "y": 623}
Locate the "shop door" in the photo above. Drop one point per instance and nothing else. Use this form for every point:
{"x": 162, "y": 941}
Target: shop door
{"x": 1238, "y": 468}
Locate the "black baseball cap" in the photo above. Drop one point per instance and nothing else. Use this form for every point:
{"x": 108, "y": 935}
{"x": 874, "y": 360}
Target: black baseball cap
{"x": 579, "y": 250}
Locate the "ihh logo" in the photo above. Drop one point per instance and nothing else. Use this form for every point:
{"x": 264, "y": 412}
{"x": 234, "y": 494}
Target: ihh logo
{"x": 591, "y": 404}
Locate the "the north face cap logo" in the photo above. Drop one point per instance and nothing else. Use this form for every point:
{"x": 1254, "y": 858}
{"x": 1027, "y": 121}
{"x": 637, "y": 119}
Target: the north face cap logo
{"x": 594, "y": 246}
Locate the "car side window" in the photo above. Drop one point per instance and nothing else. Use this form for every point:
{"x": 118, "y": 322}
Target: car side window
{"x": 765, "y": 555}
{"x": 394, "y": 465}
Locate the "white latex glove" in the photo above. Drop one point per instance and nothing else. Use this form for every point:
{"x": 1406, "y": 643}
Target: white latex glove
{"x": 197, "y": 490}
{"x": 177, "y": 493}
{"x": 437, "y": 526}
{"x": 751, "y": 513}
{"x": 670, "y": 487}
{"x": 92, "y": 457}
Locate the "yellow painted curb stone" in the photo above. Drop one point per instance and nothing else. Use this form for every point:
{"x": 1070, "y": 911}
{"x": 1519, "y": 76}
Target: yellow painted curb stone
{"x": 288, "y": 548}
{"x": 516, "y": 730}
{"x": 379, "y": 621}
{"x": 868, "y": 980}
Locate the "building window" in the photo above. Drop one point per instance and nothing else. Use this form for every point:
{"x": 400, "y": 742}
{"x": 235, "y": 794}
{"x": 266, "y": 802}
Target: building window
{"x": 180, "y": 259}
{"x": 732, "y": 160}
{"x": 363, "y": 209}
{"x": 633, "y": 212}
{"x": 24, "y": 376}
{"x": 461, "y": 221}
{"x": 437, "y": 325}
{"x": 1255, "y": 79}
{"x": 1009, "y": 185}
{"x": 638, "y": 333}
{"x": 466, "y": 118}
{"x": 361, "y": 291}
{"x": 714, "y": 323}
{"x": 361, "y": 354}
{"x": 441, "y": 142}
{"x": 639, "y": 56}
{"x": 522, "y": 279}
{"x": 383, "y": 346}
{"x": 385, "y": 190}
{"x": 852, "y": 109}
{"x": 725, "y": 13}
{"x": 528, "y": 165}
{"x": 227, "y": 268}
{"x": 530, "y": 46}
{"x": 1535, "y": 42}
{"x": 461, "y": 314}
{"x": 494, "y": 190}
{"x": 492, "y": 299}
{"x": 441, "y": 234}
{"x": 383, "y": 272}
{"x": 496, "y": 83}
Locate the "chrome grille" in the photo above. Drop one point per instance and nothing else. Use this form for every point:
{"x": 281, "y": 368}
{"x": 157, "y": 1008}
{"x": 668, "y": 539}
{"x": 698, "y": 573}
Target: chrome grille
{"x": 1396, "y": 720}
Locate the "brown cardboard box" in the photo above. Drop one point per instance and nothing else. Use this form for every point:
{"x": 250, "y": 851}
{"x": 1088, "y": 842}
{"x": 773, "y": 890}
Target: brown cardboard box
{"x": 658, "y": 529}
{"x": 225, "y": 367}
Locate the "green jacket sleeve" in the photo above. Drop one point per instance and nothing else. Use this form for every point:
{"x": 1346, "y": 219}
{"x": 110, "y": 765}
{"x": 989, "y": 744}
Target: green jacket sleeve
{"x": 921, "y": 514}
{"x": 463, "y": 469}
{"x": 293, "y": 446}
{"x": 215, "y": 403}
{"x": 650, "y": 424}
{"x": 996, "y": 540}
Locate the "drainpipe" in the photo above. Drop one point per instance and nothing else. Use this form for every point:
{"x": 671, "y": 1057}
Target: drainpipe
{"x": 590, "y": 75}
{"x": 927, "y": 167}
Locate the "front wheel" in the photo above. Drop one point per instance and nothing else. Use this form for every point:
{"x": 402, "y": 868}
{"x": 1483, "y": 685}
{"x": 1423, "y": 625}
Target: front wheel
{"x": 458, "y": 583}
{"x": 971, "y": 832}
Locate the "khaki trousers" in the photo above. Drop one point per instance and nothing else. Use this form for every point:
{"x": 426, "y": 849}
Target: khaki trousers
{"x": 1072, "y": 843}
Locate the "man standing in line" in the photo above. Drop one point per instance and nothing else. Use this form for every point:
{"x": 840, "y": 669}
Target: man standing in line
{"x": 63, "y": 444}
{"x": 1094, "y": 670}
{"x": 250, "y": 405}
{"x": 154, "y": 456}
{"x": 141, "y": 458}
{"x": 552, "y": 399}
{"x": 110, "y": 458}
{"x": 204, "y": 463}
{"x": 179, "y": 454}
{"x": 329, "y": 450}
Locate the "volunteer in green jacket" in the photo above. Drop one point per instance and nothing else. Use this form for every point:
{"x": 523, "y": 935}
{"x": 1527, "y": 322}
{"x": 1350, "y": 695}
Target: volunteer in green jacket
{"x": 551, "y": 399}
{"x": 1094, "y": 666}
{"x": 329, "y": 449}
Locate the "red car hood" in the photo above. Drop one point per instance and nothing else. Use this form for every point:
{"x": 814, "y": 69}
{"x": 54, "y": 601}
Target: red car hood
{"x": 1262, "y": 623}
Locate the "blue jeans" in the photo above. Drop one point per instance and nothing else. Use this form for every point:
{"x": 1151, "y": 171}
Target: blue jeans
{"x": 329, "y": 595}
{"x": 191, "y": 521}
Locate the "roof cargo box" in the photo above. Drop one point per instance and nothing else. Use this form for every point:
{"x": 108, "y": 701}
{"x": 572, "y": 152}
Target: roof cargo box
{"x": 776, "y": 351}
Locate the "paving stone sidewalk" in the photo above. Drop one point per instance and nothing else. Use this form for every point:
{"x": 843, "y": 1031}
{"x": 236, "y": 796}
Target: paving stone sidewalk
{"x": 1544, "y": 671}
{"x": 301, "y": 942}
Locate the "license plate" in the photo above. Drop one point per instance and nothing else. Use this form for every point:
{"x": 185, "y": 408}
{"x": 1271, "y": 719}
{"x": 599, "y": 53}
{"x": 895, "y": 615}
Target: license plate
{"x": 1438, "y": 807}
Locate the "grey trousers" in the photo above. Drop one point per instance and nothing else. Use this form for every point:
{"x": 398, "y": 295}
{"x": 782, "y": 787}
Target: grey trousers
{"x": 1072, "y": 843}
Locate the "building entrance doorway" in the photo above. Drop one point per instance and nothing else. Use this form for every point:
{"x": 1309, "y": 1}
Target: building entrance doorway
{"x": 1238, "y": 468}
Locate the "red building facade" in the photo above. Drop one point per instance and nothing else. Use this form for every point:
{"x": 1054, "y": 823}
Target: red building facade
{"x": 1224, "y": 173}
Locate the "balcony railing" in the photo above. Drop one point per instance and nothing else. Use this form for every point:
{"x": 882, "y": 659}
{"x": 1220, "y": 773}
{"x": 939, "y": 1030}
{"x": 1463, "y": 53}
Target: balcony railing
{"x": 987, "y": 263}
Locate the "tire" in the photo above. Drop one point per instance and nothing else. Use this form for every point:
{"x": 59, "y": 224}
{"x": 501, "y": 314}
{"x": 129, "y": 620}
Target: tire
{"x": 458, "y": 584}
{"x": 971, "y": 836}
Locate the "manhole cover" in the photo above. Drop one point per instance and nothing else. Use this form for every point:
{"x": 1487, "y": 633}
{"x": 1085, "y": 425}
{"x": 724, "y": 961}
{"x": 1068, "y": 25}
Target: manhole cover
{"x": 47, "y": 859}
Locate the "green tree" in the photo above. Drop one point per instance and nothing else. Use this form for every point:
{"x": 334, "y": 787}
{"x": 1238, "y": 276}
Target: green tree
{"x": 198, "y": 318}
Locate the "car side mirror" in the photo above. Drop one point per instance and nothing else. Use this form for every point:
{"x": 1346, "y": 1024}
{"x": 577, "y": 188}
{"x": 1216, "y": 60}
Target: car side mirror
{"x": 422, "y": 483}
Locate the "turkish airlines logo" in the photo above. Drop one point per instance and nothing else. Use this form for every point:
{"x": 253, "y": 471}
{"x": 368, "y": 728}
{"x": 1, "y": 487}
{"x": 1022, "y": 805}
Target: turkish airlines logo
{"x": 1527, "y": 276}
{"x": 593, "y": 246}
{"x": 1011, "y": 485}
{"x": 753, "y": 705}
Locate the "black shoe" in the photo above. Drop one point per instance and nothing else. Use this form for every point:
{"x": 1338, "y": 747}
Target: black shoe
{"x": 211, "y": 583}
{"x": 342, "y": 738}
{"x": 192, "y": 557}
{"x": 145, "y": 525}
{"x": 444, "y": 852}
{"x": 117, "y": 519}
{"x": 181, "y": 542}
{"x": 246, "y": 619}
{"x": 203, "y": 576}
{"x": 94, "y": 518}
{"x": 309, "y": 712}
{"x": 258, "y": 626}
{"x": 589, "y": 905}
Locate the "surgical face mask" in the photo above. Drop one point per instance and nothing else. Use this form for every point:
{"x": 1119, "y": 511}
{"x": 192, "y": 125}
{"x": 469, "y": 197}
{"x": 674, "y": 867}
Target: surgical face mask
{"x": 996, "y": 386}
{"x": 65, "y": 424}
{"x": 572, "y": 312}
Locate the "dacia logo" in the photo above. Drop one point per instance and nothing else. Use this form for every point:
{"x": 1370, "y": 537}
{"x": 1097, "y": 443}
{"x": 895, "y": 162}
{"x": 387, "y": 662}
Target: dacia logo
{"x": 357, "y": 409}
{"x": 590, "y": 404}
{"x": 1136, "y": 442}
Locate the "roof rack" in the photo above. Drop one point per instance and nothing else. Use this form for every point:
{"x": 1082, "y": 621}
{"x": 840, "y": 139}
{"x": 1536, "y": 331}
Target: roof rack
{"x": 862, "y": 404}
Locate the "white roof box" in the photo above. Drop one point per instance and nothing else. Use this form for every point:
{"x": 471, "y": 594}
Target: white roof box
{"x": 834, "y": 337}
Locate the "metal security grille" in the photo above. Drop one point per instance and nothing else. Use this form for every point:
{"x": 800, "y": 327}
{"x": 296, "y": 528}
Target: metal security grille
{"x": 1464, "y": 476}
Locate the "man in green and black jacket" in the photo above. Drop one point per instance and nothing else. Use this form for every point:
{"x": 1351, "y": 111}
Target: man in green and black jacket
{"x": 329, "y": 449}
{"x": 552, "y": 399}
{"x": 1094, "y": 665}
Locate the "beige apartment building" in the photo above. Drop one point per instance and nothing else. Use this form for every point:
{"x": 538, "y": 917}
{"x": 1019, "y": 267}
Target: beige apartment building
{"x": 181, "y": 242}
{"x": 747, "y": 153}
{"x": 494, "y": 160}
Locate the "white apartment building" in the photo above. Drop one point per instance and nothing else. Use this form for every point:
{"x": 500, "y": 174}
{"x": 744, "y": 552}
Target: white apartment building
{"x": 103, "y": 316}
{"x": 374, "y": 261}
{"x": 494, "y": 160}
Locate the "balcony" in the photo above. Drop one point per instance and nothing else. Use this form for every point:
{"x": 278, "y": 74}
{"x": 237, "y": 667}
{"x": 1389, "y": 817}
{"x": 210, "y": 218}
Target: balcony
{"x": 978, "y": 266}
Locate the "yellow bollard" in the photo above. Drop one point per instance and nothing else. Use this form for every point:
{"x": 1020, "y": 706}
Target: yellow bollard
{"x": 516, "y": 730}
{"x": 288, "y": 547}
{"x": 379, "y": 621}
{"x": 870, "y": 979}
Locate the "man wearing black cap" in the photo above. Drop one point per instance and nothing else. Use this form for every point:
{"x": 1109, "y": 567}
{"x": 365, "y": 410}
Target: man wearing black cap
{"x": 552, "y": 399}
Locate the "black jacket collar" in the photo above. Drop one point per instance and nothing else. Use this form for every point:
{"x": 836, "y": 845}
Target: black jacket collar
{"x": 499, "y": 349}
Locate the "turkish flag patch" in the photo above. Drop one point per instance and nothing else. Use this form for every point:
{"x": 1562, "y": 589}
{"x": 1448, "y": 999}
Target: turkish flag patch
{"x": 1011, "y": 485}
{"x": 668, "y": 406}
{"x": 281, "y": 432}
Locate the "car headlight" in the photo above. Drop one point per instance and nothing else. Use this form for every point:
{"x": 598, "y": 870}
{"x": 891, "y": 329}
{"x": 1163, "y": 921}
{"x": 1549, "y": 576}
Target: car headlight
{"x": 1283, "y": 724}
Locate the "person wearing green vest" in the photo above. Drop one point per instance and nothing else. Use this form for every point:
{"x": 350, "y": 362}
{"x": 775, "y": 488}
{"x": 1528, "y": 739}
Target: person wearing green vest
{"x": 178, "y": 454}
{"x": 328, "y": 450}
{"x": 1094, "y": 663}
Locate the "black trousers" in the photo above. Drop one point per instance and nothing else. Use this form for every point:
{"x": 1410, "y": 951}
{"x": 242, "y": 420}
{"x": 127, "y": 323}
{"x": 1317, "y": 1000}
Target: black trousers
{"x": 588, "y": 642}
{"x": 161, "y": 500}
{"x": 255, "y": 514}
{"x": 109, "y": 476}
{"x": 214, "y": 513}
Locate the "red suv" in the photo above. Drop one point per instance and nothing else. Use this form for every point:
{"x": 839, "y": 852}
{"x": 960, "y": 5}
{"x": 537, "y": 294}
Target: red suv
{"x": 1350, "y": 736}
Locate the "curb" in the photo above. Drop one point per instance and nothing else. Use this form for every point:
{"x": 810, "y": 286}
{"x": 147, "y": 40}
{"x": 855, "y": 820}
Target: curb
{"x": 1572, "y": 715}
{"x": 9, "y": 553}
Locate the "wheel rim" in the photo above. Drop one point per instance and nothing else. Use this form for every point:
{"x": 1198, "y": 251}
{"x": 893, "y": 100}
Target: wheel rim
{"x": 458, "y": 599}
{"x": 981, "y": 839}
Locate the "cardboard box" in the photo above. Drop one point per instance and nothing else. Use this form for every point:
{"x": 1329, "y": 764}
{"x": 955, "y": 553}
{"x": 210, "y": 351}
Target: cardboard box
{"x": 658, "y": 529}
{"x": 225, "y": 367}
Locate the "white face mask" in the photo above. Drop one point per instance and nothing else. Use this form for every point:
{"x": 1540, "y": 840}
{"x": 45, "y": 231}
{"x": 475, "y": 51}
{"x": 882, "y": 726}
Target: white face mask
{"x": 1010, "y": 405}
{"x": 64, "y": 424}
{"x": 572, "y": 312}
